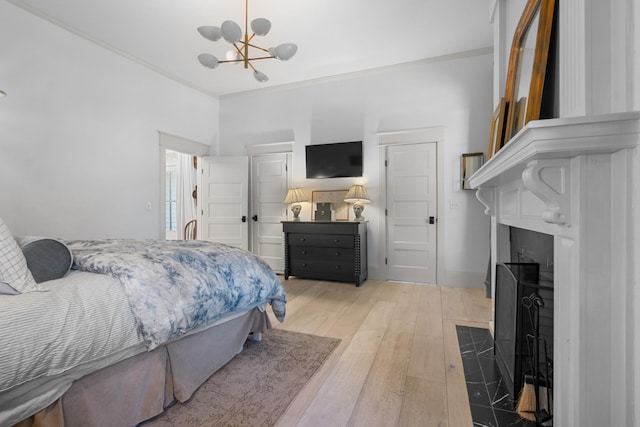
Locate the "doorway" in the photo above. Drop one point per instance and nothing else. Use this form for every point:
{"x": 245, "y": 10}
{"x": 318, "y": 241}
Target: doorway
{"x": 170, "y": 225}
{"x": 180, "y": 193}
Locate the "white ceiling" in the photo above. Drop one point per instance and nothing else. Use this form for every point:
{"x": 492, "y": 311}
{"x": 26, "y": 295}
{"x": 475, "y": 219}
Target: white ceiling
{"x": 333, "y": 36}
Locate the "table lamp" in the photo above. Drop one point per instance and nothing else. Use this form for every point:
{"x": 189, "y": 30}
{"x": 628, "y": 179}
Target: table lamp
{"x": 357, "y": 195}
{"x": 295, "y": 196}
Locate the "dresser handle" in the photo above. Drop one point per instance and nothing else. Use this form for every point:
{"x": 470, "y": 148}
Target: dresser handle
{"x": 337, "y": 267}
{"x": 303, "y": 252}
{"x": 336, "y": 241}
{"x": 302, "y": 239}
{"x": 337, "y": 253}
{"x": 304, "y": 265}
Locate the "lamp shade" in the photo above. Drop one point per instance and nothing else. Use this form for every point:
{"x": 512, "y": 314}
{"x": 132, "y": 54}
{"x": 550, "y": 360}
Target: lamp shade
{"x": 232, "y": 55}
{"x": 260, "y": 26}
{"x": 285, "y": 51}
{"x": 295, "y": 195}
{"x": 231, "y": 31}
{"x": 208, "y": 60}
{"x": 357, "y": 193}
{"x": 261, "y": 77}
{"x": 210, "y": 33}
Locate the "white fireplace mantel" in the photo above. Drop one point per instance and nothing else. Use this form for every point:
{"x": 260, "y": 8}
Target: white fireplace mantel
{"x": 560, "y": 139}
{"x": 577, "y": 179}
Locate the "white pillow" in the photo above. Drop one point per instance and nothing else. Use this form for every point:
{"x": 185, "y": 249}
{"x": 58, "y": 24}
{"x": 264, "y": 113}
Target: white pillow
{"x": 13, "y": 265}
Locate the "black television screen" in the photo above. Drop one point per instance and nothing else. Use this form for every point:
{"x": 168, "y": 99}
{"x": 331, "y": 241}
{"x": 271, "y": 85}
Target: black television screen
{"x": 343, "y": 159}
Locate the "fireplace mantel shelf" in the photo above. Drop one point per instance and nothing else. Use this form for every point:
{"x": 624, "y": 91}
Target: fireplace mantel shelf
{"x": 559, "y": 139}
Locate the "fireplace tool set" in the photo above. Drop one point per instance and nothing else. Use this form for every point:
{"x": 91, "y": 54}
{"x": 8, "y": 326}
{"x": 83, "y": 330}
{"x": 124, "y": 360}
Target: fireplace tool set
{"x": 535, "y": 402}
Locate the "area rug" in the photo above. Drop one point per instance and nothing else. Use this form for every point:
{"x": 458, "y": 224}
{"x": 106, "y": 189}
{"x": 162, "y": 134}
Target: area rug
{"x": 255, "y": 387}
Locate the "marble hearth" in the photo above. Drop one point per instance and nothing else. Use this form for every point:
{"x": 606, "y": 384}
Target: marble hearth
{"x": 578, "y": 180}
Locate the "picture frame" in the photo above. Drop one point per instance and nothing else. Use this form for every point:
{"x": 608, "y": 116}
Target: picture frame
{"x": 469, "y": 164}
{"x": 496, "y": 134}
{"x": 336, "y": 198}
{"x": 528, "y": 65}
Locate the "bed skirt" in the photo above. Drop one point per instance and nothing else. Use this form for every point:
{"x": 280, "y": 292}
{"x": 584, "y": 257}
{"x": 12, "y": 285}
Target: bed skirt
{"x": 140, "y": 387}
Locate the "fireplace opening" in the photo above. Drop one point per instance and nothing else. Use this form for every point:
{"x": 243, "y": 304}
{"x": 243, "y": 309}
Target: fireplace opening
{"x": 523, "y": 328}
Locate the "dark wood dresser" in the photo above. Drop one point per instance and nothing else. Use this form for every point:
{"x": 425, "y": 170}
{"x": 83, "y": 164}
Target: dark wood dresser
{"x": 332, "y": 250}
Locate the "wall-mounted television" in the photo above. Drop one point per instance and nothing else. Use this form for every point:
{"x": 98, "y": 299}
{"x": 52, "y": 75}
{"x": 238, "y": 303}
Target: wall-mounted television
{"x": 337, "y": 160}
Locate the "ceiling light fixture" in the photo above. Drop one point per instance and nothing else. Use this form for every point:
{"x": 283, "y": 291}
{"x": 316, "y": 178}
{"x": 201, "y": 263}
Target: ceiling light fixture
{"x": 232, "y": 33}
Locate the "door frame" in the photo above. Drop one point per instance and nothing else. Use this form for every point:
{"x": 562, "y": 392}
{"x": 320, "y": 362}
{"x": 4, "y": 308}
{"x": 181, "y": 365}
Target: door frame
{"x": 182, "y": 145}
{"x": 414, "y": 136}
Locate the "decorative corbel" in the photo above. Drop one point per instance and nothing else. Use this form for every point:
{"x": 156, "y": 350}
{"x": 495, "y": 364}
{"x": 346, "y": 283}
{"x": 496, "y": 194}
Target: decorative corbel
{"x": 554, "y": 190}
{"x": 486, "y": 196}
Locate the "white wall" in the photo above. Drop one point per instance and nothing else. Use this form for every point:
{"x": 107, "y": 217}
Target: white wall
{"x": 79, "y": 154}
{"x": 455, "y": 93}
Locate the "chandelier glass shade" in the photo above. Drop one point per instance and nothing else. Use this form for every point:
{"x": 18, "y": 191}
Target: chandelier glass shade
{"x": 242, "y": 44}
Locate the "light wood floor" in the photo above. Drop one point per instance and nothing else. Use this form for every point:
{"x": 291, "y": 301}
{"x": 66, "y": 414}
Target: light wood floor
{"x": 398, "y": 363}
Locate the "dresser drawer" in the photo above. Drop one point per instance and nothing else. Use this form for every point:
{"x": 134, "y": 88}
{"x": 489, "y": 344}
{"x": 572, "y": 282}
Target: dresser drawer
{"x": 320, "y": 253}
{"x": 324, "y": 269}
{"x": 322, "y": 240}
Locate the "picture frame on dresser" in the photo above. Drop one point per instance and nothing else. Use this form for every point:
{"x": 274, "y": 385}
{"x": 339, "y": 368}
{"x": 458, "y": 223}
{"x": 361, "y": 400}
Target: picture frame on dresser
{"x": 336, "y": 198}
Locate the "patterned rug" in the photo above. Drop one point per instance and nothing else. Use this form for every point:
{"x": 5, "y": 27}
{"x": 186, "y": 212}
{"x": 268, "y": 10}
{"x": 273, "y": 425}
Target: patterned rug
{"x": 255, "y": 387}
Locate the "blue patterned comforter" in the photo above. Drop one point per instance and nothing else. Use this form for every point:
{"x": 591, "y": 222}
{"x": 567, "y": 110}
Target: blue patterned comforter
{"x": 174, "y": 287}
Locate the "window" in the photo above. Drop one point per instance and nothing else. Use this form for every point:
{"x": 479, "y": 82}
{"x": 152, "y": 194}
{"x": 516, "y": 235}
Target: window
{"x": 171, "y": 190}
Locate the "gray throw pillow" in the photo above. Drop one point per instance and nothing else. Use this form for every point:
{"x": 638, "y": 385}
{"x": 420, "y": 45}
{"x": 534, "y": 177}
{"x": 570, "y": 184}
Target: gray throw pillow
{"x": 47, "y": 259}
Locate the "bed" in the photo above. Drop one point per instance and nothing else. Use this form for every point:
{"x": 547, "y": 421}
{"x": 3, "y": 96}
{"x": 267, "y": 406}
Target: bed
{"x": 134, "y": 326}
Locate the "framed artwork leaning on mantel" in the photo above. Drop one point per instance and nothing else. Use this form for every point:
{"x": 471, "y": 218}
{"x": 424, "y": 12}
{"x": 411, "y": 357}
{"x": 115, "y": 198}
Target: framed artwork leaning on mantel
{"x": 527, "y": 69}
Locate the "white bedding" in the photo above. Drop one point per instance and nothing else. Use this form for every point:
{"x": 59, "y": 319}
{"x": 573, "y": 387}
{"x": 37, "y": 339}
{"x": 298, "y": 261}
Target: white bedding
{"x": 31, "y": 349}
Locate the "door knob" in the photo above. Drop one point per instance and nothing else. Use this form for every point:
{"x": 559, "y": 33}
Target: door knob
{"x": 244, "y": 218}
{"x": 255, "y": 217}
{"x": 432, "y": 220}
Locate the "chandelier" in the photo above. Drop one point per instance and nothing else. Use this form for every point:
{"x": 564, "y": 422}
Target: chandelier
{"x": 232, "y": 33}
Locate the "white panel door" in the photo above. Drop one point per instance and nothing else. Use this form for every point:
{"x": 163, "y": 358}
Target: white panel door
{"x": 223, "y": 200}
{"x": 268, "y": 190}
{"x": 411, "y": 206}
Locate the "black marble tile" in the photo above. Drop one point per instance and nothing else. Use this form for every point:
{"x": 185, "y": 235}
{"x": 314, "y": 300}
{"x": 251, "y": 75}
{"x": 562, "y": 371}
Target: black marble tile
{"x": 472, "y": 369}
{"x": 481, "y": 338}
{"x": 483, "y": 416}
{"x": 499, "y": 395}
{"x": 478, "y": 394}
{"x": 490, "y": 369}
{"x": 464, "y": 336}
{"x": 491, "y": 405}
